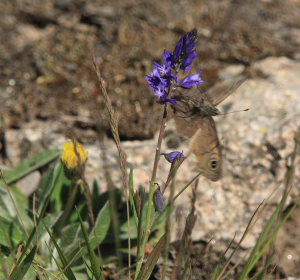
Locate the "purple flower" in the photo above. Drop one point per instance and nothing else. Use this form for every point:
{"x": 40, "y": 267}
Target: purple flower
{"x": 168, "y": 58}
{"x": 164, "y": 71}
{"x": 163, "y": 78}
{"x": 184, "y": 52}
{"x": 157, "y": 84}
{"x": 159, "y": 80}
{"x": 153, "y": 79}
{"x": 191, "y": 80}
{"x": 170, "y": 157}
{"x": 159, "y": 201}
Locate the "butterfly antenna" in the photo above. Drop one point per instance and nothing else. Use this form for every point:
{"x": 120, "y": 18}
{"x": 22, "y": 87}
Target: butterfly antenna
{"x": 238, "y": 111}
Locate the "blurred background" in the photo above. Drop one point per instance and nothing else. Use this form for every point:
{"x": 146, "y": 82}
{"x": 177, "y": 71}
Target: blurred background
{"x": 46, "y": 49}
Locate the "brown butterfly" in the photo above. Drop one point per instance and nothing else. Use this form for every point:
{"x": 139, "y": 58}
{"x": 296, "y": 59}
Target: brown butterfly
{"x": 193, "y": 118}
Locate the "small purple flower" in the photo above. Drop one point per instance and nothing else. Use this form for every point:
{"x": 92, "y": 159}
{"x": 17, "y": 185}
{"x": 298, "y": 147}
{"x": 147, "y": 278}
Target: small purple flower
{"x": 168, "y": 58}
{"x": 157, "y": 84}
{"x": 191, "y": 80}
{"x": 153, "y": 79}
{"x": 165, "y": 71}
{"x": 170, "y": 157}
{"x": 159, "y": 80}
{"x": 159, "y": 201}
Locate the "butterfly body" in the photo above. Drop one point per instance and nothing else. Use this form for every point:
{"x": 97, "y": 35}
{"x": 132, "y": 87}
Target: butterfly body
{"x": 194, "y": 105}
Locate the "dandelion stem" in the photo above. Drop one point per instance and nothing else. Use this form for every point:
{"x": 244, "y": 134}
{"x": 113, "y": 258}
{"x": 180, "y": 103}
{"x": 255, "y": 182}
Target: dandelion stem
{"x": 69, "y": 205}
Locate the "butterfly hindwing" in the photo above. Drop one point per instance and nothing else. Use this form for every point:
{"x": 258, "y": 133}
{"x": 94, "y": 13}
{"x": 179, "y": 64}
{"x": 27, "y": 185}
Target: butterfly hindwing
{"x": 205, "y": 146}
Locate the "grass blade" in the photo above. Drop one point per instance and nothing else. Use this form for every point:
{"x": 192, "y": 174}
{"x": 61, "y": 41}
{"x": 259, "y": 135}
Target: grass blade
{"x": 152, "y": 259}
{"x": 67, "y": 270}
{"x": 132, "y": 198}
{"x": 20, "y": 269}
{"x": 95, "y": 265}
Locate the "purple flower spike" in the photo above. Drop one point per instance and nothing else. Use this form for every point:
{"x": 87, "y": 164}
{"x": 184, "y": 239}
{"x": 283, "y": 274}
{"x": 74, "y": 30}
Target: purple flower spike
{"x": 191, "y": 80}
{"x": 159, "y": 200}
{"x": 163, "y": 79}
{"x": 184, "y": 52}
{"x": 170, "y": 157}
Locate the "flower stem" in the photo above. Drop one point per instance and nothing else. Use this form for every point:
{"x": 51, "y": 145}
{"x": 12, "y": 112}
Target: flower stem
{"x": 147, "y": 231}
{"x": 159, "y": 142}
{"x": 69, "y": 205}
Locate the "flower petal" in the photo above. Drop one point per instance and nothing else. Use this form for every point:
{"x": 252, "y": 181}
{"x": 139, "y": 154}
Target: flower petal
{"x": 191, "y": 80}
{"x": 170, "y": 157}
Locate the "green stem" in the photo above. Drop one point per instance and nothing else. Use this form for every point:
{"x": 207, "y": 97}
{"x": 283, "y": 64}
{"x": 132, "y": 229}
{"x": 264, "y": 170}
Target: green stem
{"x": 145, "y": 237}
{"x": 69, "y": 206}
{"x": 186, "y": 186}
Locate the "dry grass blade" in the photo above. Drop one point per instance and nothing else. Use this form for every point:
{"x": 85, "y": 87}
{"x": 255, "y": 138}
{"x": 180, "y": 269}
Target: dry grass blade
{"x": 113, "y": 120}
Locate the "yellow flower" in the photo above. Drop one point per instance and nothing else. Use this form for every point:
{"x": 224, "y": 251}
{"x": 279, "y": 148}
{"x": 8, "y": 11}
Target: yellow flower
{"x": 71, "y": 158}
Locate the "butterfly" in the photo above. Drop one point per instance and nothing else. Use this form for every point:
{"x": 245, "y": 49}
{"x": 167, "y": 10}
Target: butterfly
{"x": 193, "y": 114}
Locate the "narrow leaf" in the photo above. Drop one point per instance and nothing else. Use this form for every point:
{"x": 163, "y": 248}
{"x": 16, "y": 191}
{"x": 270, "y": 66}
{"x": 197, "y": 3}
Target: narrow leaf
{"x": 67, "y": 271}
{"x": 132, "y": 198}
{"x": 101, "y": 227}
{"x": 31, "y": 164}
{"x": 20, "y": 269}
{"x": 152, "y": 259}
{"x": 93, "y": 259}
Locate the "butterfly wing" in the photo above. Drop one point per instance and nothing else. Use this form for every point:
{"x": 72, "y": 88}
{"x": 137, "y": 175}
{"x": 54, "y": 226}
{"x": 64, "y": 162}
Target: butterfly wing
{"x": 205, "y": 146}
{"x": 222, "y": 90}
{"x": 186, "y": 126}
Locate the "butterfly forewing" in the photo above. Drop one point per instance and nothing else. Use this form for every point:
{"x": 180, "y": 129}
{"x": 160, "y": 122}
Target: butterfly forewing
{"x": 222, "y": 90}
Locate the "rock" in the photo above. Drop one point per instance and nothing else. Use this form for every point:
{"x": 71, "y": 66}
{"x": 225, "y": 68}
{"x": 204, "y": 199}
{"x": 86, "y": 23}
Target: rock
{"x": 29, "y": 183}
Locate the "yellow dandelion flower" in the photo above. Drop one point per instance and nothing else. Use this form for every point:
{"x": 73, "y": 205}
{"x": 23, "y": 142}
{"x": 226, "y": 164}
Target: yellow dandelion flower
{"x": 71, "y": 158}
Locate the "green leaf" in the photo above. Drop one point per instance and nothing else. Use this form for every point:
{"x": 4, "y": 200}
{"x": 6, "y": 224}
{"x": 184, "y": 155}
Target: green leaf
{"x": 101, "y": 227}
{"x": 69, "y": 234}
{"x": 21, "y": 268}
{"x": 14, "y": 204}
{"x": 31, "y": 164}
{"x": 5, "y": 238}
{"x": 57, "y": 171}
{"x": 6, "y": 263}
